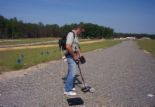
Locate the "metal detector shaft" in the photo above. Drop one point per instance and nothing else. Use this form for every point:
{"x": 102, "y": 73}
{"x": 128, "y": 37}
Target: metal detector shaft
{"x": 81, "y": 75}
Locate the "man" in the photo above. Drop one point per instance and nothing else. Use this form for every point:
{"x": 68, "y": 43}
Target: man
{"x": 72, "y": 46}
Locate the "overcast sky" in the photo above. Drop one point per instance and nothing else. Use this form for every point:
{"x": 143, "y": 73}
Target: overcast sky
{"x": 127, "y": 16}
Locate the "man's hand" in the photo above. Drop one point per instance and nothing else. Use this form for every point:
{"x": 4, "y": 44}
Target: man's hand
{"x": 76, "y": 57}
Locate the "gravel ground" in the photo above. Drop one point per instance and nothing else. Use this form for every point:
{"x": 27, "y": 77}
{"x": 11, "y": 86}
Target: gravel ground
{"x": 122, "y": 75}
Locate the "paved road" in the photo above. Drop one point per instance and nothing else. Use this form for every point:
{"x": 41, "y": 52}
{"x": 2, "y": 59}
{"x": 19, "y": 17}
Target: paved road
{"x": 122, "y": 75}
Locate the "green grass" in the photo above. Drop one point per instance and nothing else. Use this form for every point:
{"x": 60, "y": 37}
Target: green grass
{"x": 148, "y": 45}
{"x": 18, "y": 59}
{"x": 98, "y": 45}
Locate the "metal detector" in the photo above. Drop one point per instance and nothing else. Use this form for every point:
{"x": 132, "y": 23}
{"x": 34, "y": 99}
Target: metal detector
{"x": 85, "y": 88}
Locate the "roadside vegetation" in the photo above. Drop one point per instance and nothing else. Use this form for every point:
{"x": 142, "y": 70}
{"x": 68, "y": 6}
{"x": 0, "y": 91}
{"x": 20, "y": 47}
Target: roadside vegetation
{"x": 148, "y": 45}
{"x": 24, "y": 58}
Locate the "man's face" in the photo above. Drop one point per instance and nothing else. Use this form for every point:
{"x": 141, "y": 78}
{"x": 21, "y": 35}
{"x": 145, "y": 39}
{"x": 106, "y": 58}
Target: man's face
{"x": 78, "y": 31}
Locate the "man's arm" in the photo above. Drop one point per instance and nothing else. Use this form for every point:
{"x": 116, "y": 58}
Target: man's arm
{"x": 79, "y": 52}
{"x": 70, "y": 50}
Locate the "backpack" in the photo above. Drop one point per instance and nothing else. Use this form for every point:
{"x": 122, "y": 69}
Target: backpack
{"x": 62, "y": 42}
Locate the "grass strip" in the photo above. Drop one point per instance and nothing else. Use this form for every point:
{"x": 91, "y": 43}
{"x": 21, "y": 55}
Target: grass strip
{"x": 148, "y": 45}
{"x": 24, "y": 58}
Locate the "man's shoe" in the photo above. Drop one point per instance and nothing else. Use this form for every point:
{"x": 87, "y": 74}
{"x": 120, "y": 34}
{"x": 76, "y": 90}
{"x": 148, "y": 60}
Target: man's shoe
{"x": 70, "y": 93}
{"x": 73, "y": 89}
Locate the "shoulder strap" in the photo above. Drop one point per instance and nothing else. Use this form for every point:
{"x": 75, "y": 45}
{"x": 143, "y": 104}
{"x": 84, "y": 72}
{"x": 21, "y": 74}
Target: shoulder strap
{"x": 73, "y": 34}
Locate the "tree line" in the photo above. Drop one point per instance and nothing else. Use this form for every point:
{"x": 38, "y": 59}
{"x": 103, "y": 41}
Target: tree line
{"x": 14, "y": 28}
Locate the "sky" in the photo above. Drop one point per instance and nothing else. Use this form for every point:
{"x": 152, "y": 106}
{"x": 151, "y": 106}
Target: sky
{"x": 125, "y": 16}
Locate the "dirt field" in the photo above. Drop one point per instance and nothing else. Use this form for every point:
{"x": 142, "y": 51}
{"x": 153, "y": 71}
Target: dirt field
{"x": 41, "y": 46}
